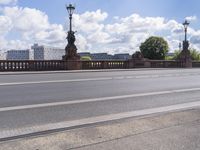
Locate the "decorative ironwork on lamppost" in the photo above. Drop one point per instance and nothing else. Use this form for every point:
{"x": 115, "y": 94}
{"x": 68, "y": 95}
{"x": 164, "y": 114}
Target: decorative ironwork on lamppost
{"x": 185, "y": 56}
{"x": 70, "y": 10}
{"x": 185, "y": 42}
{"x": 71, "y": 50}
{"x": 186, "y": 24}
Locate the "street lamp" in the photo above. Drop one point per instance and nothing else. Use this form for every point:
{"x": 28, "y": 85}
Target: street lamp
{"x": 184, "y": 56}
{"x": 71, "y": 49}
{"x": 186, "y": 24}
{"x": 70, "y": 10}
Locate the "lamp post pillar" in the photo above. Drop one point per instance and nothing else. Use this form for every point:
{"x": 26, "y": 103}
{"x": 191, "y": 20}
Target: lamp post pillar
{"x": 70, "y": 22}
{"x": 184, "y": 56}
{"x": 71, "y": 57}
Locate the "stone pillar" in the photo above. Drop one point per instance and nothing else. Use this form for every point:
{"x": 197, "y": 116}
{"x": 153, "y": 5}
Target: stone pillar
{"x": 185, "y": 57}
{"x": 71, "y": 57}
{"x": 138, "y": 61}
{"x": 73, "y": 65}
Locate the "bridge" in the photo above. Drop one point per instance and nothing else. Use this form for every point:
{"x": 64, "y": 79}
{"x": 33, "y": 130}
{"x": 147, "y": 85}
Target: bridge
{"x": 46, "y": 99}
{"x": 34, "y": 103}
{"x": 53, "y": 65}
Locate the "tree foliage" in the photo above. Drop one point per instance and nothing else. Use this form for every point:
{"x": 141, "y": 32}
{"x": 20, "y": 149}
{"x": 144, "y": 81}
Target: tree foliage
{"x": 176, "y": 54}
{"x": 195, "y": 55}
{"x": 86, "y": 58}
{"x": 154, "y": 48}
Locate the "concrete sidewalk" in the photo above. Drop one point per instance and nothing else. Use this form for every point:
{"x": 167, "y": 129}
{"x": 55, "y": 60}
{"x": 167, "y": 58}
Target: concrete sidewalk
{"x": 169, "y": 131}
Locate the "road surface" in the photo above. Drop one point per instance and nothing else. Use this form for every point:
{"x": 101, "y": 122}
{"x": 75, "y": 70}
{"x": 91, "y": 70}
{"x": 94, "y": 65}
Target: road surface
{"x": 32, "y": 102}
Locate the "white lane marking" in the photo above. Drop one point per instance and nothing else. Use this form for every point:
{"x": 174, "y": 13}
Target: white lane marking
{"x": 94, "y": 100}
{"x": 119, "y": 78}
{"x": 92, "y": 120}
{"x": 93, "y": 79}
{"x": 55, "y": 81}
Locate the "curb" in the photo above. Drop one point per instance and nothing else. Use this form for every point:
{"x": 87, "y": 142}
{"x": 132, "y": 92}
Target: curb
{"x": 85, "y": 71}
{"x": 74, "y": 124}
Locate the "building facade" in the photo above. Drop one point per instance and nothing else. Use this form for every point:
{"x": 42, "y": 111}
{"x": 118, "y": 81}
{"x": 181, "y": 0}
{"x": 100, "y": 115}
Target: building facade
{"x": 2, "y": 55}
{"x": 17, "y": 55}
{"x": 124, "y": 56}
{"x": 106, "y": 56}
{"x": 47, "y": 53}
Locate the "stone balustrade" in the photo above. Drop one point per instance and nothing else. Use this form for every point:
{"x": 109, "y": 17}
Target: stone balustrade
{"x": 50, "y": 65}
{"x": 29, "y": 65}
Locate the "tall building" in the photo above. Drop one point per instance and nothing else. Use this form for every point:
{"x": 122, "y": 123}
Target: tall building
{"x": 17, "y": 55}
{"x": 47, "y": 53}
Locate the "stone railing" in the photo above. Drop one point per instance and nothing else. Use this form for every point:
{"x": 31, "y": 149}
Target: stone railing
{"x": 50, "y": 65}
{"x": 196, "y": 64}
{"x": 107, "y": 64}
{"x": 28, "y": 65}
{"x": 165, "y": 64}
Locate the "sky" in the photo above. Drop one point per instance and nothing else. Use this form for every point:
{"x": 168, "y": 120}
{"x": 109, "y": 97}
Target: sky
{"x": 110, "y": 26}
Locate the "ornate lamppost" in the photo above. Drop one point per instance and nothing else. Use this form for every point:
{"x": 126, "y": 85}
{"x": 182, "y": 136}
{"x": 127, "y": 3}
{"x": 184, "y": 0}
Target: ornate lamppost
{"x": 70, "y": 49}
{"x": 70, "y": 10}
{"x": 184, "y": 56}
{"x": 185, "y": 42}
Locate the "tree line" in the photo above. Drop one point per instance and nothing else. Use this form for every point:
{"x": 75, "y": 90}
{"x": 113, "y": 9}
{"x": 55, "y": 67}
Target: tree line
{"x": 156, "y": 48}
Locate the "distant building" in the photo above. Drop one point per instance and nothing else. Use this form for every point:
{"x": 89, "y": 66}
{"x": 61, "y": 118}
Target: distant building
{"x": 2, "y": 55}
{"x": 170, "y": 54}
{"x": 17, "y": 55}
{"x": 84, "y": 54}
{"x": 101, "y": 56}
{"x": 47, "y": 53}
{"x": 124, "y": 56}
{"x": 105, "y": 56}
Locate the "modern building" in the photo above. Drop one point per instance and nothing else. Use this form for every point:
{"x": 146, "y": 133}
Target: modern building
{"x": 81, "y": 54}
{"x": 105, "y": 56}
{"x": 47, "y": 53}
{"x": 101, "y": 56}
{"x": 124, "y": 56}
{"x": 17, "y": 55}
{"x": 2, "y": 55}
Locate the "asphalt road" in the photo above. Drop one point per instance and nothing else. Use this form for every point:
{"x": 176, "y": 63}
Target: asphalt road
{"x": 90, "y": 94}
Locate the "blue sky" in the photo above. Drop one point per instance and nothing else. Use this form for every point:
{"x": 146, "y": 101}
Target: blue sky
{"x": 170, "y": 9}
{"x": 103, "y": 25}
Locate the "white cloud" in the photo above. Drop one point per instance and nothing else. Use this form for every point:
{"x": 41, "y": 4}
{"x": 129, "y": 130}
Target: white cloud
{"x": 191, "y": 18}
{"x": 32, "y": 26}
{"x": 5, "y": 25}
{"x": 7, "y": 2}
{"x": 82, "y": 43}
{"x": 94, "y": 33}
{"x": 90, "y": 22}
{"x": 27, "y": 19}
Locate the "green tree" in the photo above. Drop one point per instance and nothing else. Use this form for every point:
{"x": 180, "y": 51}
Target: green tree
{"x": 195, "y": 55}
{"x": 154, "y": 48}
{"x": 176, "y": 54}
{"x": 86, "y": 58}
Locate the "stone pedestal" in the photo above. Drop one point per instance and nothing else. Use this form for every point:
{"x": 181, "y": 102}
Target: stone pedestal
{"x": 71, "y": 57}
{"x": 73, "y": 65}
{"x": 185, "y": 57}
{"x": 138, "y": 61}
